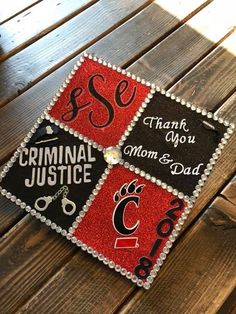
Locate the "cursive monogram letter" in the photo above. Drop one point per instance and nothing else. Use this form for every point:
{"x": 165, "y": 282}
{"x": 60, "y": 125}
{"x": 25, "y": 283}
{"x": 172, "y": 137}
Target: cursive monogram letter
{"x": 103, "y": 100}
{"x": 120, "y": 90}
{"x": 72, "y": 113}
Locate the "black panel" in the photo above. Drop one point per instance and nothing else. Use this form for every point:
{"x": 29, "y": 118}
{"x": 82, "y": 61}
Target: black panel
{"x": 73, "y": 164}
{"x": 162, "y": 121}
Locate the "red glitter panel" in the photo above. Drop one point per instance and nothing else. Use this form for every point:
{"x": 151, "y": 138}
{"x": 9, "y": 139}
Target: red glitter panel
{"x": 130, "y": 221}
{"x": 99, "y": 102}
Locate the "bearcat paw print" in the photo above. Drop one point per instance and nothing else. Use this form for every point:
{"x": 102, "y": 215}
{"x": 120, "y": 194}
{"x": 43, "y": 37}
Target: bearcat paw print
{"x": 127, "y": 189}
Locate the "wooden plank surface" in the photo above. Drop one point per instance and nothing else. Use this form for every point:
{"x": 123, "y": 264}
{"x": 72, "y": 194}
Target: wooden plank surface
{"x": 35, "y": 250}
{"x": 213, "y": 80}
{"x": 17, "y": 33}
{"x": 11, "y": 8}
{"x": 229, "y": 109}
{"x": 229, "y": 191}
{"x": 21, "y": 71}
{"x": 38, "y": 263}
{"x": 198, "y": 275}
{"x": 196, "y": 38}
{"x": 98, "y": 285}
{"x": 77, "y": 279}
{"x": 10, "y": 214}
{"x": 229, "y": 306}
{"x": 69, "y": 291}
{"x": 72, "y": 280}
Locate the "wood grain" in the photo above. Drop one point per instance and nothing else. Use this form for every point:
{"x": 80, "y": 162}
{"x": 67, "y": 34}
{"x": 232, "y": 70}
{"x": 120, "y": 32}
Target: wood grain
{"x": 229, "y": 306}
{"x": 18, "y": 32}
{"x": 196, "y": 38}
{"x": 29, "y": 256}
{"x": 21, "y": 71}
{"x": 69, "y": 289}
{"x": 10, "y": 214}
{"x": 214, "y": 79}
{"x": 31, "y": 252}
{"x": 229, "y": 191}
{"x": 199, "y": 273}
{"x": 229, "y": 109}
{"x": 12, "y": 8}
{"x": 78, "y": 292}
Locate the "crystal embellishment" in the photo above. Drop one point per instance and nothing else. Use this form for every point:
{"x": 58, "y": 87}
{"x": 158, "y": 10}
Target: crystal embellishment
{"x": 112, "y": 155}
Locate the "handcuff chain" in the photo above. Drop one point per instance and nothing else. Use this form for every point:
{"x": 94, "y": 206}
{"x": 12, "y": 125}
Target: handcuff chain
{"x": 64, "y": 189}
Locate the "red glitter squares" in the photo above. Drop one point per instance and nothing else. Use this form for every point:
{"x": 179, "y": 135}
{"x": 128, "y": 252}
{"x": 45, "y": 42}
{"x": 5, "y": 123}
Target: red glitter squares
{"x": 130, "y": 222}
{"x": 99, "y": 102}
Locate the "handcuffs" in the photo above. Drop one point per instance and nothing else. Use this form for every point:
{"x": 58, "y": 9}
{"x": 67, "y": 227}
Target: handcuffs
{"x": 68, "y": 206}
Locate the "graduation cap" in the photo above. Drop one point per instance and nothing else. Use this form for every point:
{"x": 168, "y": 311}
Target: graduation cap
{"x": 115, "y": 165}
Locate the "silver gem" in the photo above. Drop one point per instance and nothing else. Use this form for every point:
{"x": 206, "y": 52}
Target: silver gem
{"x": 8, "y": 195}
{"x": 53, "y": 225}
{"x": 134, "y": 278}
{"x": 58, "y": 229}
{"x": 117, "y": 268}
{"x": 28, "y": 208}
{"x": 22, "y": 205}
{"x": 100, "y": 257}
{"x": 18, "y": 201}
{"x": 89, "y": 250}
{"x": 13, "y": 198}
{"x": 140, "y": 282}
{"x": 64, "y": 232}
{"x": 68, "y": 236}
{"x": 146, "y": 285}
{"x": 43, "y": 219}
{"x": 112, "y": 155}
{"x": 47, "y": 222}
{"x": 95, "y": 254}
{"x": 166, "y": 250}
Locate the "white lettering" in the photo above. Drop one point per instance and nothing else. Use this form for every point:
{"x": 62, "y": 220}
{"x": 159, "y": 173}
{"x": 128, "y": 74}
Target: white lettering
{"x": 52, "y": 179}
{"x": 175, "y": 138}
{"x": 178, "y": 168}
{"x": 87, "y": 173}
{"x": 158, "y": 123}
{"x": 25, "y": 151}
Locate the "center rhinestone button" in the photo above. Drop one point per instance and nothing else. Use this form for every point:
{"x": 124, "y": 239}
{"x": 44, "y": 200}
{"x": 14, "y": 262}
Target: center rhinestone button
{"x": 112, "y": 155}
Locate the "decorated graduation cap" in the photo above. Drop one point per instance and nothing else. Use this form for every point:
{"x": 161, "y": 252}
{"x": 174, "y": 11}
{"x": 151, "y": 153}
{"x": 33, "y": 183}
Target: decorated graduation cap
{"x": 115, "y": 164}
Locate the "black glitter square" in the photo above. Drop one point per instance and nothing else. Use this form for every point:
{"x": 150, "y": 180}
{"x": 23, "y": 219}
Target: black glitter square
{"x": 55, "y": 174}
{"x": 173, "y": 143}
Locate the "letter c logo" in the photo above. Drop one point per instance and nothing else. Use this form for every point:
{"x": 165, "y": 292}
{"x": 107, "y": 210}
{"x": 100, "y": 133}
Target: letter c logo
{"x": 118, "y": 215}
